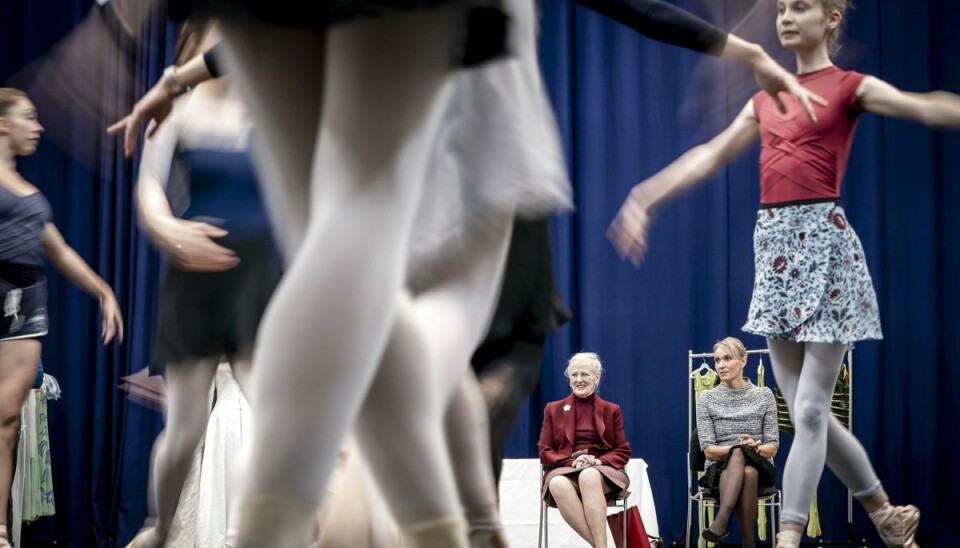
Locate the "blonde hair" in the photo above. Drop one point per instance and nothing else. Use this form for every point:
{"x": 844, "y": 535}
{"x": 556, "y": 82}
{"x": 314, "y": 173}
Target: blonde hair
{"x": 833, "y": 35}
{"x": 585, "y": 358}
{"x": 8, "y": 98}
{"x": 734, "y": 346}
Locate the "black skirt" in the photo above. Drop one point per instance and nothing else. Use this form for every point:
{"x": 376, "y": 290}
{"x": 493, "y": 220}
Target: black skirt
{"x": 766, "y": 473}
{"x": 484, "y": 27}
{"x": 529, "y": 307}
{"x": 215, "y": 314}
{"x": 24, "y": 314}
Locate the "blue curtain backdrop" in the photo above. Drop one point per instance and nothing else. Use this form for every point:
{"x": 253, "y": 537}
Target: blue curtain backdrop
{"x": 81, "y": 68}
{"x": 627, "y": 106}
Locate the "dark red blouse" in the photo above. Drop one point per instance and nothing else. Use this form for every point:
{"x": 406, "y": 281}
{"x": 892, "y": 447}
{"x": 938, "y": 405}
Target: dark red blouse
{"x": 799, "y": 159}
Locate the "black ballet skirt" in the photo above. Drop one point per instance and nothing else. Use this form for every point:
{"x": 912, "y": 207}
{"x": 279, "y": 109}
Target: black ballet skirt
{"x": 484, "y": 23}
{"x": 529, "y": 307}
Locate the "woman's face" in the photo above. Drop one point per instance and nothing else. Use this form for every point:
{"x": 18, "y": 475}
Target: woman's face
{"x": 21, "y": 127}
{"x": 729, "y": 367}
{"x": 802, "y": 24}
{"x": 583, "y": 379}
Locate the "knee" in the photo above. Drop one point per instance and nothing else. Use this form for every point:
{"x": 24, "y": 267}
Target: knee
{"x": 560, "y": 485}
{"x": 750, "y": 476}
{"x": 736, "y": 457}
{"x": 589, "y": 479}
{"x": 181, "y": 443}
{"x": 810, "y": 415}
{"x": 9, "y": 423}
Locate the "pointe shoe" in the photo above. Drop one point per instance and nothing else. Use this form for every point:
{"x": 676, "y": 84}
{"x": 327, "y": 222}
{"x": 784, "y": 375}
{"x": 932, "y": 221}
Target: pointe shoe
{"x": 449, "y": 532}
{"x": 789, "y": 539}
{"x": 897, "y": 524}
{"x": 4, "y": 540}
{"x": 488, "y": 538}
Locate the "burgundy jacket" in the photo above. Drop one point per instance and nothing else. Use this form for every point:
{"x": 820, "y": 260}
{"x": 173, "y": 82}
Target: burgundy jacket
{"x": 556, "y": 436}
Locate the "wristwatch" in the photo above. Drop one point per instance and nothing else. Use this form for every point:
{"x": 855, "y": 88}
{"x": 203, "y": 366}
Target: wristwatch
{"x": 171, "y": 83}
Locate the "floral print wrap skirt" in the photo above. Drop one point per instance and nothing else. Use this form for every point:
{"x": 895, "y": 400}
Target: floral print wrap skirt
{"x": 811, "y": 282}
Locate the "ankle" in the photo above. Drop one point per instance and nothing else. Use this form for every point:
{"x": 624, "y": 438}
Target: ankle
{"x": 484, "y": 538}
{"x": 483, "y": 519}
{"x": 274, "y": 521}
{"x": 876, "y": 502}
{"x": 789, "y": 538}
{"x": 721, "y": 522}
{"x": 450, "y": 531}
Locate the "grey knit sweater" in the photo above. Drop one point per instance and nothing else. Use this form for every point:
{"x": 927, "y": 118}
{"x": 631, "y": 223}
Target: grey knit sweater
{"x": 723, "y": 414}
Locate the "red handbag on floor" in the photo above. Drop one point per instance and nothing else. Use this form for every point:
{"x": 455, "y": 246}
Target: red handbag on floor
{"x": 636, "y": 532}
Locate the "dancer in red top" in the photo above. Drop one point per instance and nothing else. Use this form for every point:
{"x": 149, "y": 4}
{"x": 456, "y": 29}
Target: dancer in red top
{"x": 813, "y": 295}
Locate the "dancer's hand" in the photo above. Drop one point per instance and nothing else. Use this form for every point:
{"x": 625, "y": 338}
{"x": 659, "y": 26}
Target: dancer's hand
{"x": 628, "y": 231}
{"x": 155, "y": 105}
{"x": 112, "y": 319}
{"x": 189, "y": 245}
{"x": 775, "y": 79}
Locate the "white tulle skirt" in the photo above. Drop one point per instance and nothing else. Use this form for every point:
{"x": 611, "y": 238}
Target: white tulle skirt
{"x": 498, "y": 155}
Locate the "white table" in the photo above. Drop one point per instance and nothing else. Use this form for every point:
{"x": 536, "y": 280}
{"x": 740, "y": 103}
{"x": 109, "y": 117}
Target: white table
{"x": 520, "y": 505}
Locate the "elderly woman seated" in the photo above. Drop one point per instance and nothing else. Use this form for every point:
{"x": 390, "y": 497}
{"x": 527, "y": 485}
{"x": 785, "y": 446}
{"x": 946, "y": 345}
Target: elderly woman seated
{"x": 583, "y": 450}
{"x": 737, "y": 425}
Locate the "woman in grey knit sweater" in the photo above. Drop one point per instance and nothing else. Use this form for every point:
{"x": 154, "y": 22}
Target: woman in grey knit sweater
{"x": 737, "y": 426}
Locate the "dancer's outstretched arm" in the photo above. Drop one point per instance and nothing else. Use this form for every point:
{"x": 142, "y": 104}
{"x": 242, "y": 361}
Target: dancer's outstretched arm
{"x": 157, "y": 103}
{"x": 938, "y": 109}
{"x": 669, "y": 24}
{"x": 71, "y": 265}
{"x": 628, "y": 232}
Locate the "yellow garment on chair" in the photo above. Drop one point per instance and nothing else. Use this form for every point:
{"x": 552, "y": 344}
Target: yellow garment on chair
{"x": 761, "y": 509}
{"x": 813, "y": 526}
{"x": 707, "y": 380}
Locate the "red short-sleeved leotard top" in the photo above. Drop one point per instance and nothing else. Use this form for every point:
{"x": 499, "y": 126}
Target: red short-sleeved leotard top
{"x": 801, "y": 160}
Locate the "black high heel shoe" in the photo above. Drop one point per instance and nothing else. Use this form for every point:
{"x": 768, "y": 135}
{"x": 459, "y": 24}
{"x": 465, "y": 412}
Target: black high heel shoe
{"x": 710, "y": 536}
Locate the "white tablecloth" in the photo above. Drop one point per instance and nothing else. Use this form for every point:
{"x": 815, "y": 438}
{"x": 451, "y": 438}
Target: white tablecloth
{"x": 520, "y": 505}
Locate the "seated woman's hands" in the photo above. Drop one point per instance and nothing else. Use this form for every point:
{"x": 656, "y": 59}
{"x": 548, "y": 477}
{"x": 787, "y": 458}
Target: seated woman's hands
{"x": 750, "y": 443}
{"x": 586, "y": 460}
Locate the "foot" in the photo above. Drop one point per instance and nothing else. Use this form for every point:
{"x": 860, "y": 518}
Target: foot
{"x": 788, "y": 538}
{"x": 896, "y": 524}
{"x": 4, "y": 541}
{"x": 148, "y": 538}
{"x": 710, "y": 535}
{"x": 488, "y": 538}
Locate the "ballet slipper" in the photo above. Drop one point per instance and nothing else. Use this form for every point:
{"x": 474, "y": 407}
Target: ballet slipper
{"x": 789, "y": 538}
{"x": 896, "y": 525}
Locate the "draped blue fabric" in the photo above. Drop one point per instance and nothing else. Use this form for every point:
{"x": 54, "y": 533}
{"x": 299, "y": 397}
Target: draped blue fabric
{"x": 627, "y": 106}
{"x": 81, "y": 69}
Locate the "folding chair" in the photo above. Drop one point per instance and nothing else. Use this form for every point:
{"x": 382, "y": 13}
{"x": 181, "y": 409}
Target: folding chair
{"x": 543, "y": 540}
{"x": 768, "y": 497}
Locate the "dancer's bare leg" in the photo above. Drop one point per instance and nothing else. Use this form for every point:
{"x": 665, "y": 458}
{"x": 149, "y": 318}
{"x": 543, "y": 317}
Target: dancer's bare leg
{"x": 386, "y": 82}
{"x": 187, "y": 413}
{"x": 18, "y": 370}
